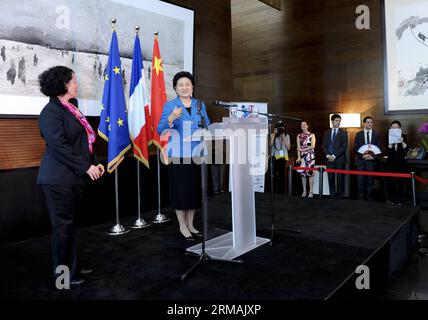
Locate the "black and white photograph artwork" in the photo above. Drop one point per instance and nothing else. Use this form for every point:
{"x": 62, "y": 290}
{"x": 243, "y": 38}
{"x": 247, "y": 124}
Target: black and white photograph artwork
{"x": 77, "y": 34}
{"x": 406, "y": 55}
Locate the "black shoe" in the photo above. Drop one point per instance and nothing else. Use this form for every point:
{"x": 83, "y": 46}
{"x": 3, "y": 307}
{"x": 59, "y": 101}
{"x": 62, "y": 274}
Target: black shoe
{"x": 361, "y": 197}
{"x": 77, "y": 281}
{"x": 216, "y": 192}
{"x": 197, "y": 234}
{"x": 189, "y": 238}
{"x": 86, "y": 271}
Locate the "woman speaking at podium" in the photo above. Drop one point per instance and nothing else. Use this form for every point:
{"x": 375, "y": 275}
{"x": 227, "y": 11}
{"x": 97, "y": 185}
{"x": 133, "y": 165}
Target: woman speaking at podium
{"x": 181, "y": 117}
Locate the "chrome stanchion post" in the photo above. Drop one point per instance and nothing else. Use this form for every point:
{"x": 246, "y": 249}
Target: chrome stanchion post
{"x": 336, "y": 182}
{"x": 320, "y": 180}
{"x": 139, "y": 223}
{"x": 117, "y": 229}
{"x": 290, "y": 180}
{"x": 160, "y": 218}
{"x": 413, "y": 188}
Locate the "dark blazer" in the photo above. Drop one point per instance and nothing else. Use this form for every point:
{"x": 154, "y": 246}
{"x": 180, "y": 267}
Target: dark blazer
{"x": 360, "y": 141}
{"x": 67, "y": 156}
{"x": 396, "y": 161}
{"x": 340, "y": 144}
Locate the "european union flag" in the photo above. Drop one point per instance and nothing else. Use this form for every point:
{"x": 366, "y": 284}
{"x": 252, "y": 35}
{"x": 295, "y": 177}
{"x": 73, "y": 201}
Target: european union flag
{"x": 113, "y": 125}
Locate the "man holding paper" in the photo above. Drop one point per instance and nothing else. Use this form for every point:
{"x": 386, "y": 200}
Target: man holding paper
{"x": 367, "y": 149}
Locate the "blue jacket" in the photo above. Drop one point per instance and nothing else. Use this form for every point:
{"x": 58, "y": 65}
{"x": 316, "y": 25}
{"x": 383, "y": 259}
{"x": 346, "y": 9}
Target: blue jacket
{"x": 182, "y": 128}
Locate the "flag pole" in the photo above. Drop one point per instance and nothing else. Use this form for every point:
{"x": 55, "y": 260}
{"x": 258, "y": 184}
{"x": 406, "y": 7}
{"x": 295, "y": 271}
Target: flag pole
{"x": 139, "y": 223}
{"x": 118, "y": 229}
{"x": 160, "y": 218}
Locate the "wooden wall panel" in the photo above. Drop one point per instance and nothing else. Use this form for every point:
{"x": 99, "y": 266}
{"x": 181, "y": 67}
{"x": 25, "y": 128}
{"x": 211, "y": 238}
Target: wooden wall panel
{"x": 315, "y": 60}
{"x": 21, "y": 145}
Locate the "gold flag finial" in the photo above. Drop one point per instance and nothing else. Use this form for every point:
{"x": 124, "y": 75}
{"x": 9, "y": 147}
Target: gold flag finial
{"x": 156, "y": 33}
{"x": 113, "y": 24}
{"x": 137, "y": 29}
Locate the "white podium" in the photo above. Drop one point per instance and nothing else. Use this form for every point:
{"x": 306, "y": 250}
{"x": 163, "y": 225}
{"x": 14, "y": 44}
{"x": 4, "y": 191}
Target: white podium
{"x": 241, "y": 133}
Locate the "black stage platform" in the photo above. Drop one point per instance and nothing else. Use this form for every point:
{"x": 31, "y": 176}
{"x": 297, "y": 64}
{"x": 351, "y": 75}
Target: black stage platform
{"x": 337, "y": 236}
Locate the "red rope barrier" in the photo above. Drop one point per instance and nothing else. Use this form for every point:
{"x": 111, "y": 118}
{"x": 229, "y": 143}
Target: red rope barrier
{"x": 370, "y": 173}
{"x": 305, "y": 169}
{"x": 421, "y": 180}
{"x": 367, "y": 173}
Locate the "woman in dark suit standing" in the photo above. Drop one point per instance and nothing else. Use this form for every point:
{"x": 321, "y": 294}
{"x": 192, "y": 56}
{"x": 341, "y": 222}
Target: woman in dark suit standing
{"x": 182, "y": 116}
{"x": 396, "y": 162}
{"x": 68, "y": 162}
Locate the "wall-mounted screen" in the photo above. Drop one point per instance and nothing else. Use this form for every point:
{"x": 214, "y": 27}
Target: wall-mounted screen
{"x": 38, "y": 34}
{"x": 405, "y": 34}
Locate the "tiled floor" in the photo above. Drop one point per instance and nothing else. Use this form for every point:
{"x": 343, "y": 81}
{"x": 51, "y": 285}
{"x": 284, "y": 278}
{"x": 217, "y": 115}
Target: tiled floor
{"x": 412, "y": 281}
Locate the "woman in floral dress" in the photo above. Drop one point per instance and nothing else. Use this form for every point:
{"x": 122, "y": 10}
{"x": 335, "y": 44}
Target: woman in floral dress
{"x": 306, "y": 157}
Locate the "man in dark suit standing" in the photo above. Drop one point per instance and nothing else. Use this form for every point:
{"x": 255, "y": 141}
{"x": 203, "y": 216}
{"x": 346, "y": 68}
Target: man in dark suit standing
{"x": 335, "y": 144}
{"x": 367, "y": 161}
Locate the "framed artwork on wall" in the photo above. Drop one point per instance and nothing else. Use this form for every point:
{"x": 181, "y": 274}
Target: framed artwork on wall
{"x": 37, "y": 35}
{"x": 405, "y": 43}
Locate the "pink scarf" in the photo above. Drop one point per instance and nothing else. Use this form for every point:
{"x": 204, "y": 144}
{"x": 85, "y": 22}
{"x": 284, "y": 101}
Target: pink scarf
{"x": 81, "y": 118}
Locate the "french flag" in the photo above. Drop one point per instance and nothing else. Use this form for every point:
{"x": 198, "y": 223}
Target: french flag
{"x": 139, "y": 112}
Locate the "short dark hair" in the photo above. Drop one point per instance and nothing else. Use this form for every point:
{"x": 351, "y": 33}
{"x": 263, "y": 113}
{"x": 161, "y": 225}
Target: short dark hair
{"x": 182, "y": 74}
{"x": 335, "y": 116}
{"x": 396, "y": 122}
{"x": 54, "y": 80}
{"x": 307, "y": 122}
{"x": 367, "y": 118}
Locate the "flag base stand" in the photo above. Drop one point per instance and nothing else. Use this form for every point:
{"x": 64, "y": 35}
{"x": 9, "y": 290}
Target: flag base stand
{"x": 140, "y": 224}
{"x": 160, "y": 218}
{"x": 117, "y": 230}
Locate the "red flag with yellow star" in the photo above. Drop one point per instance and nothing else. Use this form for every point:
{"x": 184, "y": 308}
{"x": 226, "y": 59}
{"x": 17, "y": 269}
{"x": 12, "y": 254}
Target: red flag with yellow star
{"x": 158, "y": 95}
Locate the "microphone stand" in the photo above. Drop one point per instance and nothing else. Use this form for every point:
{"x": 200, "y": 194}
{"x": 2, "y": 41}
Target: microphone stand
{"x": 203, "y": 256}
{"x": 274, "y": 227}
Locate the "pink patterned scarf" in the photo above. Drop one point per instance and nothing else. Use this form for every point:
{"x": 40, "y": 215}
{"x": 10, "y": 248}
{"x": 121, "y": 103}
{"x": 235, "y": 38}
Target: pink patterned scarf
{"x": 81, "y": 118}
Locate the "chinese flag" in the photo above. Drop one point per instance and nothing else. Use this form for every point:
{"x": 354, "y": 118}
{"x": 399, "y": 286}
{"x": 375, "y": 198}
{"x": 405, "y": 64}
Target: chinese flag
{"x": 158, "y": 95}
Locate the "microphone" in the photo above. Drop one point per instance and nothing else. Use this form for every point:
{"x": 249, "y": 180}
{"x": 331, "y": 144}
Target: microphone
{"x": 224, "y": 104}
{"x": 202, "y": 123}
